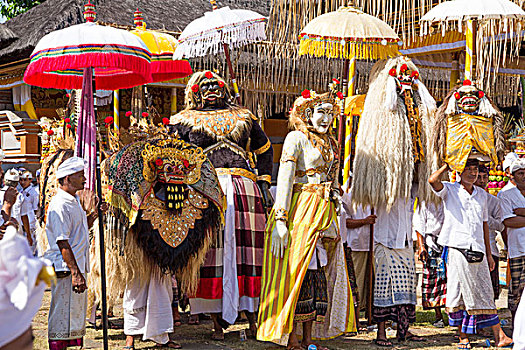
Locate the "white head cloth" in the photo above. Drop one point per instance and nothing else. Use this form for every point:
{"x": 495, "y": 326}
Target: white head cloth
{"x": 509, "y": 159}
{"x": 517, "y": 165}
{"x": 12, "y": 175}
{"x": 70, "y": 166}
{"x": 26, "y": 175}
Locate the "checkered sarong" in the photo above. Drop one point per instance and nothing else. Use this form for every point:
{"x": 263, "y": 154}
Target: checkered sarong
{"x": 517, "y": 282}
{"x": 250, "y": 222}
{"x": 434, "y": 286}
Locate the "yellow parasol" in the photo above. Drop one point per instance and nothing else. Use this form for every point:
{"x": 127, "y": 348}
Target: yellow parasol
{"x": 348, "y": 34}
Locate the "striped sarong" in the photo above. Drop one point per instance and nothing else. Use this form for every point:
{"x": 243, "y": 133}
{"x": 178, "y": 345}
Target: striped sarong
{"x": 517, "y": 282}
{"x": 248, "y": 242}
{"x": 310, "y": 215}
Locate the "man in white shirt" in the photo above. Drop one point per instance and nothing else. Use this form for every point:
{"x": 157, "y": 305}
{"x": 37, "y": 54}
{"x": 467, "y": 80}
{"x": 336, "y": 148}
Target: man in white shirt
{"x": 29, "y": 206}
{"x": 395, "y": 272}
{"x": 355, "y": 234}
{"x": 68, "y": 236}
{"x": 428, "y": 220}
{"x": 470, "y": 299}
{"x": 513, "y": 215}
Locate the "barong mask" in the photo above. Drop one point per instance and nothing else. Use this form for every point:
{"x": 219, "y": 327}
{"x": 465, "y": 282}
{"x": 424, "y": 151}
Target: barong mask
{"x": 173, "y": 165}
{"x": 207, "y": 91}
{"x": 468, "y": 97}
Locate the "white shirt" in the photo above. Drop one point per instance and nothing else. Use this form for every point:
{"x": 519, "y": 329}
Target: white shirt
{"x": 66, "y": 220}
{"x": 510, "y": 200}
{"x": 428, "y": 220}
{"x": 495, "y": 222}
{"x": 358, "y": 239}
{"x": 507, "y": 187}
{"x": 30, "y": 204}
{"x": 464, "y": 217}
{"x": 394, "y": 229}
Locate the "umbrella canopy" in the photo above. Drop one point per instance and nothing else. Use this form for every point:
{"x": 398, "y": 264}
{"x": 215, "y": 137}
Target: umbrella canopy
{"x": 348, "y": 33}
{"x": 207, "y": 34}
{"x": 463, "y": 10}
{"x": 119, "y": 58}
{"x": 162, "y": 47}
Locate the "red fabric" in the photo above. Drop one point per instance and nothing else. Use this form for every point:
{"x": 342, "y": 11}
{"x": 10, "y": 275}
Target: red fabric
{"x": 122, "y": 71}
{"x": 249, "y": 286}
{"x": 169, "y": 70}
{"x": 209, "y": 288}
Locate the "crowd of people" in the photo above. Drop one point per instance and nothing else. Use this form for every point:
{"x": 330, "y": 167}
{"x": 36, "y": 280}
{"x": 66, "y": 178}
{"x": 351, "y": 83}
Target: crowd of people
{"x": 299, "y": 268}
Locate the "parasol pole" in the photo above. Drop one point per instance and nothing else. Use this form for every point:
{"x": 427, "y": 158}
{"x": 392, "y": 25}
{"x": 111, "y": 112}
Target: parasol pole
{"x": 116, "y": 109}
{"x": 454, "y": 73}
{"x": 101, "y": 228}
{"x": 232, "y": 73}
{"x": 173, "y": 109}
{"x": 470, "y": 56}
{"x": 344, "y": 83}
{"x": 348, "y": 126}
{"x": 370, "y": 273}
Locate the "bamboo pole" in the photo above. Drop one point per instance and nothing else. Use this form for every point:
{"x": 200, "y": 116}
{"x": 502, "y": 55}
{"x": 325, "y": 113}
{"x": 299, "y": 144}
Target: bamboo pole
{"x": 348, "y": 125}
{"x": 101, "y": 229}
{"x": 370, "y": 274}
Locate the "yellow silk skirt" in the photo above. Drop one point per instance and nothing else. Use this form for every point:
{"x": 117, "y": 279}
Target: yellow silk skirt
{"x": 310, "y": 214}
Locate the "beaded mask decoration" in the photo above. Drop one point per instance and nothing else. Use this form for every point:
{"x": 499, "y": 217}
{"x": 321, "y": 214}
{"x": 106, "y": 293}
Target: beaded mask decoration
{"x": 174, "y": 164}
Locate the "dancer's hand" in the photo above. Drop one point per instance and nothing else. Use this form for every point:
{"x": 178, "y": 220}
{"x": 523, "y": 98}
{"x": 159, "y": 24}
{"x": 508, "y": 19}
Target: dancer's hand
{"x": 279, "y": 238}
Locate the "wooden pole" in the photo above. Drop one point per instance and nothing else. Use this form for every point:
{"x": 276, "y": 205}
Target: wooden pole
{"x": 232, "y": 73}
{"x": 370, "y": 274}
{"x": 348, "y": 125}
{"x": 116, "y": 110}
{"x": 341, "y": 129}
{"x": 101, "y": 230}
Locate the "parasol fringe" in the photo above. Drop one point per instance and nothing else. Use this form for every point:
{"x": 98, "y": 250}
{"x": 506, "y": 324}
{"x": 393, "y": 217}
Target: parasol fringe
{"x": 45, "y": 72}
{"x": 212, "y": 41}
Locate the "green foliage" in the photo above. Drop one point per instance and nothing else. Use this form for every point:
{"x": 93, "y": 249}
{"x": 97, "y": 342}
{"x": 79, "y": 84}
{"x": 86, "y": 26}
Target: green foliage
{"x": 12, "y": 8}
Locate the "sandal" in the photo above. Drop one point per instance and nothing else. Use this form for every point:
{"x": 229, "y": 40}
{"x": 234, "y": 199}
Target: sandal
{"x": 385, "y": 343}
{"x": 128, "y": 347}
{"x": 177, "y": 323}
{"x": 464, "y": 346}
{"x": 319, "y": 347}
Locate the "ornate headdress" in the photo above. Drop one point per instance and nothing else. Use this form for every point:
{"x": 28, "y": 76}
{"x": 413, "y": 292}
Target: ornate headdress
{"x": 308, "y": 100}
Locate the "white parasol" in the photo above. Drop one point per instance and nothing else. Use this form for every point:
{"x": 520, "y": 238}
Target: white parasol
{"x": 219, "y": 29}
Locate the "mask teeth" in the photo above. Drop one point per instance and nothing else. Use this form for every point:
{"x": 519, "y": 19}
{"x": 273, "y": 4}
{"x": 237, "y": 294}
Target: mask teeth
{"x": 170, "y": 205}
{"x": 176, "y": 188}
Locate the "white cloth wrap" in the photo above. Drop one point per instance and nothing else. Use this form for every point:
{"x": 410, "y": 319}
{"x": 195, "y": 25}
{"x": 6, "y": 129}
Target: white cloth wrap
{"x": 147, "y": 309}
{"x": 67, "y": 312}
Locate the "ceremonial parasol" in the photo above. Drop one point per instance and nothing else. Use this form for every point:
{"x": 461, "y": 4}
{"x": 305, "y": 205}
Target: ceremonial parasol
{"x": 112, "y": 59}
{"x": 219, "y": 30}
{"x": 487, "y": 23}
{"x": 162, "y": 47}
{"x": 349, "y": 34}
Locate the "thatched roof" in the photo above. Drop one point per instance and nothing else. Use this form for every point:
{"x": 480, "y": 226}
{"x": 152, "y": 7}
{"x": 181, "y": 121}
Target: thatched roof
{"x": 51, "y": 15}
{"x": 7, "y": 36}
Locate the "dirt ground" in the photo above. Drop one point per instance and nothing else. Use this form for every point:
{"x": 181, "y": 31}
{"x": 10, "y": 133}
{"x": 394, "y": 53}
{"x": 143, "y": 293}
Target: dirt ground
{"x": 198, "y": 337}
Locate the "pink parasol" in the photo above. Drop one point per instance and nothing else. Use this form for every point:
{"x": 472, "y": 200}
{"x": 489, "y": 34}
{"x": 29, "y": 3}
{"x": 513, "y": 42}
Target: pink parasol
{"x": 120, "y": 59}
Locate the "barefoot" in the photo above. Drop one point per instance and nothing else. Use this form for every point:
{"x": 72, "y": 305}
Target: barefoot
{"x": 503, "y": 342}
